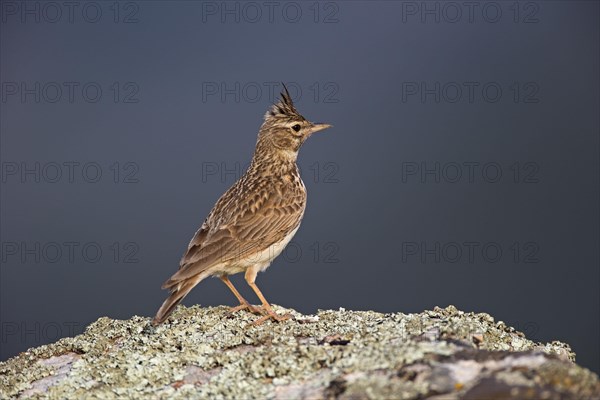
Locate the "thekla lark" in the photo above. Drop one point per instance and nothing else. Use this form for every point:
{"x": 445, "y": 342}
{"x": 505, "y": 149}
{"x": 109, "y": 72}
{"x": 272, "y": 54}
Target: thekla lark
{"x": 255, "y": 219}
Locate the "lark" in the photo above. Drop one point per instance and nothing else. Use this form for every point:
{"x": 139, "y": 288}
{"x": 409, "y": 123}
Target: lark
{"x": 255, "y": 219}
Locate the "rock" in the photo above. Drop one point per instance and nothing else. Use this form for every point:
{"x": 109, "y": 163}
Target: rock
{"x": 207, "y": 353}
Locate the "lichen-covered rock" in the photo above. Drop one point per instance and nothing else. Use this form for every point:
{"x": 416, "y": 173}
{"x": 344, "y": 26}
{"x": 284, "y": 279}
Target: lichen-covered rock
{"x": 208, "y": 353}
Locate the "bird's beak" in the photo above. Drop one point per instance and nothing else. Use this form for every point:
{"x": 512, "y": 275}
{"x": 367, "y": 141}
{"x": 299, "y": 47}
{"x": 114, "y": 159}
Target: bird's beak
{"x": 319, "y": 127}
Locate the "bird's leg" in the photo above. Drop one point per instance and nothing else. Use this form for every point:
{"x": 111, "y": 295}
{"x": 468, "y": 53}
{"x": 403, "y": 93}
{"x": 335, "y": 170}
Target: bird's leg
{"x": 243, "y": 302}
{"x": 266, "y": 307}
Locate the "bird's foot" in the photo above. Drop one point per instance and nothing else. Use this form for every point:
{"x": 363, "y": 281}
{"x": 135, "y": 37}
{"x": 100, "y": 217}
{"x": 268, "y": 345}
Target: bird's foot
{"x": 270, "y": 314}
{"x": 246, "y": 306}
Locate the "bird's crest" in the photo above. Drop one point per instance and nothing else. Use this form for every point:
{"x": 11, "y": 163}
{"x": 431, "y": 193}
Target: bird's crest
{"x": 284, "y": 108}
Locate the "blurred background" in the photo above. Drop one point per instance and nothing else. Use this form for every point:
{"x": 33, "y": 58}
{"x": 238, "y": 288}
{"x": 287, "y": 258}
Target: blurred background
{"x": 462, "y": 168}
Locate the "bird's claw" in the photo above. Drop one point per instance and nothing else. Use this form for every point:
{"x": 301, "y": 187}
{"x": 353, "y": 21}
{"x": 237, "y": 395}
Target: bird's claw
{"x": 246, "y": 306}
{"x": 266, "y": 312}
{"x": 270, "y": 314}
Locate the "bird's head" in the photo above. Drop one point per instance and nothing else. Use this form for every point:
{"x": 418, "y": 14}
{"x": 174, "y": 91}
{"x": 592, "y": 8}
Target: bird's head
{"x": 285, "y": 129}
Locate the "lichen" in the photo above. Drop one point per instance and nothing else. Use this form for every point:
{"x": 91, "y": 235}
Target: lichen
{"x": 208, "y": 353}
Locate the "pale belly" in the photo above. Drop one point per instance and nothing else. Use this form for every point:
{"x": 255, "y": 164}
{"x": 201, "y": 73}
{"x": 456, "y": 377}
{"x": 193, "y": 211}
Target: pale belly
{"x": 257, "y": 261}
{"x": 264, "y": 258}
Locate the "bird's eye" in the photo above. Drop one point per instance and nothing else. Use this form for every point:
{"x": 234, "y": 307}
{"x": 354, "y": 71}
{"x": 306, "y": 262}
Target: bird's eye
{"x": 296, "y": 128}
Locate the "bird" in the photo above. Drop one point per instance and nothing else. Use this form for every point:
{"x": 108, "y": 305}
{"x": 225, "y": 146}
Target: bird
{"x": 254, "y": 220}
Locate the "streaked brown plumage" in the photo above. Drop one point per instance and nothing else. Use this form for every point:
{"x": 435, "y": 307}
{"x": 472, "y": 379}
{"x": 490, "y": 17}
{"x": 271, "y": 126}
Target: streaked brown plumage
{"x": 255, "y": 219}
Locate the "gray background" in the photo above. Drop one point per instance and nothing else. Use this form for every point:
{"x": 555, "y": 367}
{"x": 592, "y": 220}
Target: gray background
{"x": 354, "y": 64}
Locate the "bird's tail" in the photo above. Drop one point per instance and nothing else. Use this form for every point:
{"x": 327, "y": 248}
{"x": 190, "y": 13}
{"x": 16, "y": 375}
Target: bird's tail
{"x": 178, "y": 292}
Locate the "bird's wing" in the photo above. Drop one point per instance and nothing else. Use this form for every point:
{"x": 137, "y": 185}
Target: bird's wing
{"x": 240, "y": 226}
